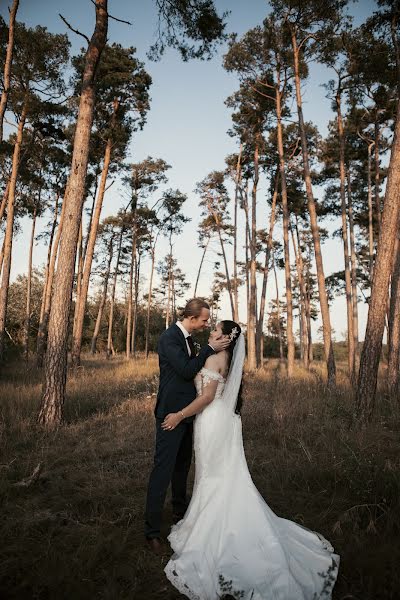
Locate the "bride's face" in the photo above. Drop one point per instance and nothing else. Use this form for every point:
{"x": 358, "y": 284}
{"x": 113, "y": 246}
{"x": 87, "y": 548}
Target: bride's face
{"x": 218, "y": 331}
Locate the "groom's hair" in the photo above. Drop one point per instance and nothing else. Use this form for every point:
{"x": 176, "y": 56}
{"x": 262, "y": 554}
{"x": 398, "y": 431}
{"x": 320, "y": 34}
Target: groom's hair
{"x": 194, "y": 307}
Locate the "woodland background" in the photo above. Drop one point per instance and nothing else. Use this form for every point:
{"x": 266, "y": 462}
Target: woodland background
{"x": 78, "y": 331}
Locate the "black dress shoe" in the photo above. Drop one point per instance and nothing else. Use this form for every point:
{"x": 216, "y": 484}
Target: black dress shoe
{"x": 156, "y": 545}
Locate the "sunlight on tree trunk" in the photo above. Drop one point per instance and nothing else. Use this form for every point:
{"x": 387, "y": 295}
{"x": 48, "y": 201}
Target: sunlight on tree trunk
{"x": 53, "y": 394}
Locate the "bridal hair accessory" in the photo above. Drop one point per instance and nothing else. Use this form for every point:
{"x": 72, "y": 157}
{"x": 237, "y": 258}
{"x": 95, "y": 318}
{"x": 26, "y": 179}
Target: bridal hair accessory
{"x": 233, "y": 333}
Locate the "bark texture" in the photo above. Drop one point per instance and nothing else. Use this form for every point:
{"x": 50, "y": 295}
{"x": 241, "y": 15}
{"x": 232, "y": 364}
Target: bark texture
{"x": 56, "y": 355}
{"x": 7, "y": 65}
{"x": 8, "y": 237}
{"x": 369, "y": 363}
{"x": 323, "y": 298}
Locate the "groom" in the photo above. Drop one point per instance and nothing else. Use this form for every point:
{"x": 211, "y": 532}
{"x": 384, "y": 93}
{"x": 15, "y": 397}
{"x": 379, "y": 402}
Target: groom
{"x": 173, "y": 453}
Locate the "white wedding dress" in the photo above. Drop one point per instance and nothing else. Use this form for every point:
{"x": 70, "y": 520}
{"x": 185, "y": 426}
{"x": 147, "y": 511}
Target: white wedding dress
{"x": 230, "y": 541}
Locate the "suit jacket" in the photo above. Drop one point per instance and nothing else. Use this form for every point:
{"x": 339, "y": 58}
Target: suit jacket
{"x": 177, "y": 372}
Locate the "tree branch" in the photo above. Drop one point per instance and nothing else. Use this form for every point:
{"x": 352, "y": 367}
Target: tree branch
{"x": 72, "y": 29}
{"x": 114, "y": 18}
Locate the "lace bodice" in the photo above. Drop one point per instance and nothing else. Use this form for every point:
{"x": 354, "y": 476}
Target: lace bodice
{"x": 204, "y": 376}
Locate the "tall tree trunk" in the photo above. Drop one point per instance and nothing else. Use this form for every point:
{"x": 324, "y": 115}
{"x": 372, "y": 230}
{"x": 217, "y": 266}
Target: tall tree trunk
{"x": 353, "y": 270}
{"x": 28, "y": 291}
{"x": 103, "y": 299}
{"x": 7, "y": 65}
{"x": 377, "y": 171}
{"x": 110, "y": 347}
{"x": 4, "y": 202}
{"x": 170, "y": 301}
{"x": 370, "y": 216}
{"x": 235, "y": 215}
{"x": 130, "y": 303}
{"x": 200, "y": 267}
{"x": 349, "y": 300}
{"x": 84, "y": 288}
{"x": 147, "y": 333}
{"x": 278, "y": 314}
{"x": 251, "y": 316}
{"x": 2, "y": 254}
{"x": 89, "y": 225}
{"x": 393, "y": 379}
{"x": 369, "y": 364}
{"x": 135, "y": 307}
{"x": 8, "y": 238}
{"x": 323, "y": 298}
{"x": 303, "y": 299}
{"x": 56, "y": 356}
{"x": 79, "y": 273}
{"x": 268, "y": 250}
{"x": 226, "y": 272}
{"x": 219, "y": 232}
{"x": 245, "y": 205}
{"x": 285, "y": 210}
{"x": 48, "y": 288}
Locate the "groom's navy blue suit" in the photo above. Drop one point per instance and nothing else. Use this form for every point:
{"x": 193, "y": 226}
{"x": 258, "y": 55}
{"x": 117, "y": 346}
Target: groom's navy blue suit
{"x": 173, "y": 452}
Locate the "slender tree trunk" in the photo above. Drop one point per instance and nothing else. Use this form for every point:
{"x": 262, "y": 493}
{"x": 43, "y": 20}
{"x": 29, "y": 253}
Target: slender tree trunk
{"x": 130, "y": 302}
{"x": 200, "y": 267}
{"x": 251, "y": 317}
{"x": 4, "y": 201}
{"x": 308, "y": 313}
{"x": 247, "y": 244}
{"x": 102, "y": 300}
{"x": 235, "y": 213}
{"x": 169, "y": 293}
{"x": 89, "y": 225}
{"x": 393, "y": 379}
{"x": 278, "y": 314}
{"x": 285, "y": 210}
{"x": 78, "y": 283}
{"x": 303, "y": 300}
{"x": 7, "y": 65}
{"x": 135, "y": 310}
{"x": 8, "y": 238}
{"x": 323, "y": 298}
{"x": 370, "y": 217}
{"x": 349, "y": 300}
{"x": 56, "y": 356}
{"x": 261, "y": 315}
{"x": 2, "y": 254}
{"x": 110, "y": 348}
{"x": 48, "y": 290}
{"x": 377, "y": 172}
{"x": 369, "y": 364}
{"x": 353, "y": 271}
{"x": 147, "y": 334}
{"x": 84, "y": 288}
{"x": 28, "y": 292}
{"x": 226, "y": 272}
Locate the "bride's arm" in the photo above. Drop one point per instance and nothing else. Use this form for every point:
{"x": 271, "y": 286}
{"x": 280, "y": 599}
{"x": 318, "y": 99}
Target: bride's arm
{"x": 198, "y": 404}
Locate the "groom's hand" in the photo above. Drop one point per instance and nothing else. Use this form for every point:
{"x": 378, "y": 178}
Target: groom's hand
{"x": 218, "y": 342}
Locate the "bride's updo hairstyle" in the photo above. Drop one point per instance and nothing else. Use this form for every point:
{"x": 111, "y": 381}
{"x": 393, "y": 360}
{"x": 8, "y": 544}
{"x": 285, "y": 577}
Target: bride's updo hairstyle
{"x": 233, "y": 330}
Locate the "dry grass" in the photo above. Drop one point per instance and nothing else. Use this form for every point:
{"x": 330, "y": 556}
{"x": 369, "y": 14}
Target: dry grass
{"x": 76, "y": 532}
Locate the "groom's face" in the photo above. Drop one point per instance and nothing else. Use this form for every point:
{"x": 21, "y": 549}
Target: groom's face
{"x": 200, "y": 323}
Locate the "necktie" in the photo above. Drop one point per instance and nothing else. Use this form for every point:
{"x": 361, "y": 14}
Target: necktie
{"x": 191, "y": 346}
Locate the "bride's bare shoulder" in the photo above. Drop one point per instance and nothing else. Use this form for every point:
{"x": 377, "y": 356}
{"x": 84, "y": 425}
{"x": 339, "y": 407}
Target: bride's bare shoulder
{"x": 216, "y": 362}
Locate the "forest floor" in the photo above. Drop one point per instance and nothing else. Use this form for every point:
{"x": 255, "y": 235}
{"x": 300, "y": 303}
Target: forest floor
{"x": 76, "y": 532}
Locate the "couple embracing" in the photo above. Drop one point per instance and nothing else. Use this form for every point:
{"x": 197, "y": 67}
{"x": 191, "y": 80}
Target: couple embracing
{"x": 226, "y": 540}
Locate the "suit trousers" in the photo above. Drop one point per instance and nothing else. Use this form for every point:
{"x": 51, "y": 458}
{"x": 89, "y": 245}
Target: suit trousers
{"x": 172, "y": 459}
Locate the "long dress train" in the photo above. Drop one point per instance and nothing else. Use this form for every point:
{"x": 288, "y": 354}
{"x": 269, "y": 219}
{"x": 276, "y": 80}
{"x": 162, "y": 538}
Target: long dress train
{"x": 230, "y": 541}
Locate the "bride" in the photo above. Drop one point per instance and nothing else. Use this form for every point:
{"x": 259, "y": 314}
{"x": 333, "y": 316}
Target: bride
{"x": 230, "y": 542}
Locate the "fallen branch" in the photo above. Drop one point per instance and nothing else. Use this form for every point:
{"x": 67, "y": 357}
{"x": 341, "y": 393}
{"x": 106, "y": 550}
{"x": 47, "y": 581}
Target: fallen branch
{"x": 28, "y": 481}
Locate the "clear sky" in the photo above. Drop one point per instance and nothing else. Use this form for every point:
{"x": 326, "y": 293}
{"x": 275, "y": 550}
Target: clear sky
{"x": 188, "y": 120}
